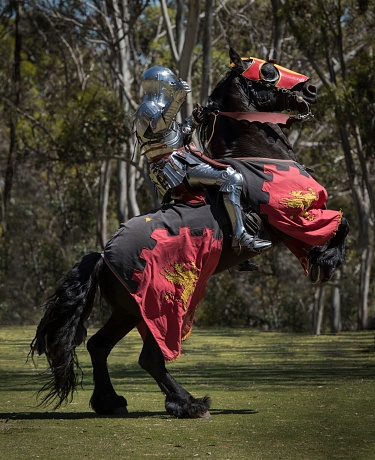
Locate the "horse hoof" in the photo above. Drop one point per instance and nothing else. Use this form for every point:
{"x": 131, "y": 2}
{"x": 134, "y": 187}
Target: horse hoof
{"x": 187, "y": 407}
{"x": 108, "y": 404}
{"x": 314, "y": 274}
{"x": 120, "y": 411}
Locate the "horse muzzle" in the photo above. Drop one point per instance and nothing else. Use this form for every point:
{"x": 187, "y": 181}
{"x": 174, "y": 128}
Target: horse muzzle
{"x": 310, "y": 93}
{"x": 307, "y": 91}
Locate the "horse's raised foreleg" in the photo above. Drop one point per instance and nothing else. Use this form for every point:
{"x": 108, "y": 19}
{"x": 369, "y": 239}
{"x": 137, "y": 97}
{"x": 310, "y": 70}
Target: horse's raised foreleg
{"x": 178, "y": 402}
{"x": 105, "y": 400}
{"x": 324, "y": 260}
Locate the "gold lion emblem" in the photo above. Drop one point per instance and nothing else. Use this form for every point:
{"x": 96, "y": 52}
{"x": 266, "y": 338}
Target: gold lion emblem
{"x": 301, "y": 200}
{"x": 183, "y": 276}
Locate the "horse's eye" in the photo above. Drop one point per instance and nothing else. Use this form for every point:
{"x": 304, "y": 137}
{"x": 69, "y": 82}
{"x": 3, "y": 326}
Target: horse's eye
{"x": 269, "y": 73}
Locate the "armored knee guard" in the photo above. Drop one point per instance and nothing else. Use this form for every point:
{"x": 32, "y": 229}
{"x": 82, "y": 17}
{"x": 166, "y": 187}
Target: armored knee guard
{"x": 230, "y": 183}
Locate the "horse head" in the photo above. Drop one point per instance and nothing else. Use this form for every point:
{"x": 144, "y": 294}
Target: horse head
{"x": 244, "y": 116}
{"x": 271, "y": 87}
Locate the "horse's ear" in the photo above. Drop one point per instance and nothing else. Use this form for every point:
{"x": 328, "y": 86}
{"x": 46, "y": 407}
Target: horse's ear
{"x": 235, "y": 58}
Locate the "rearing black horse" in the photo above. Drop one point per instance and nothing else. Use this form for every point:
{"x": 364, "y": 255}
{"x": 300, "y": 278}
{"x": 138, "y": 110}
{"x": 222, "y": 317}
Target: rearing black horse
{"x": 152, "y": 275}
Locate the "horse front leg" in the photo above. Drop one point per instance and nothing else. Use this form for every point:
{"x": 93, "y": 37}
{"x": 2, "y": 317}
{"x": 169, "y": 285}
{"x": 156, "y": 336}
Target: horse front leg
{"x": 105, "y": 400}
{"x": 178, "y": 402}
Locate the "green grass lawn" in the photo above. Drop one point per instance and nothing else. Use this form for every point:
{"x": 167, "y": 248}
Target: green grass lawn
{"x": 274, "y": 396}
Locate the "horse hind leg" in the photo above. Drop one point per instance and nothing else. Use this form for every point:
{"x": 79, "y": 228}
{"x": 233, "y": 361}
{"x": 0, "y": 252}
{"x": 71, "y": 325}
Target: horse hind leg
{"x": 179, "y": 402}
{"x": 105, "y": 400}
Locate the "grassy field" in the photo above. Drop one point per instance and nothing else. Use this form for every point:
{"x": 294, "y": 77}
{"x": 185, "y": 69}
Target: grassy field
{"x": 275, "y": 396}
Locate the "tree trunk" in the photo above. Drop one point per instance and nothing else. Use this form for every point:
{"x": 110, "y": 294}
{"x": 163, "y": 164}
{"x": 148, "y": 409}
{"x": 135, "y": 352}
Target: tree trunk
{"x": 318, "y": 310}
{"x": 366, "y": 239}
{"x": 189, "y": 35}
{"x": 336, "y": 304}
{"x": 122, "y": 191}
{"x": 207, "y": 48}
{"x": 364, "y": 286}
{"x": 13, "y": 117}
{"x": 186, "y": 57}
{"x": 276, "y": 31}
{"x": 362, "y": 204}
{"x": 105, "y": 177}
{"x": 127, "y": 174}
{"x": 132, "y": 180}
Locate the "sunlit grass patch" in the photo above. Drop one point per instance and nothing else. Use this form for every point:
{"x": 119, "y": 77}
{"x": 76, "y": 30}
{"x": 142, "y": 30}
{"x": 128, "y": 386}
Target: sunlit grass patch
{"x": 274, "y": 396}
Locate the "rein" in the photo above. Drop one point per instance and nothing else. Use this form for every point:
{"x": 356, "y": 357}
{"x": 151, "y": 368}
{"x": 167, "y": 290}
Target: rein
{"x": 281, "y": 119}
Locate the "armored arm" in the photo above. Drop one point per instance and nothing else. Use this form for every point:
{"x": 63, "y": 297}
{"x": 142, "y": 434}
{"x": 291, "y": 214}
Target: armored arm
{"x": 195, "y": 119}
{"x": 163, "y": 120}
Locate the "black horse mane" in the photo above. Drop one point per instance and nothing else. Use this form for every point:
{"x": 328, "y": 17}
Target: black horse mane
{"x": 214, "y": 103}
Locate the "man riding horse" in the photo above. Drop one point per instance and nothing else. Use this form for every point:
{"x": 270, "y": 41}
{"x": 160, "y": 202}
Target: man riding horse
{"x": 177, "y": 168}
{"x": 172, "y": 163}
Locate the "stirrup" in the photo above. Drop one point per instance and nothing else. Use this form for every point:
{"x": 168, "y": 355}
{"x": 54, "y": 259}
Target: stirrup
{"x": 250, "y": 243}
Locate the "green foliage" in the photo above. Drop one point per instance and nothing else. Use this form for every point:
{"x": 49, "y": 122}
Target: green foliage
{"x": 92, "y": 126}
{"x": 72, "y": 117}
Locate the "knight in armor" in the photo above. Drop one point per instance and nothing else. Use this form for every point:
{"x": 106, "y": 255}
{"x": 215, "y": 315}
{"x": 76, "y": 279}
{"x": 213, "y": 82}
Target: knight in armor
{"x": 172, "y": 163}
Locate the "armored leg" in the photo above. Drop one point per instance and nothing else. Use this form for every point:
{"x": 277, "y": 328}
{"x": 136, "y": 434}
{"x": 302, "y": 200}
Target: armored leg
{"x": 230, "y": 183}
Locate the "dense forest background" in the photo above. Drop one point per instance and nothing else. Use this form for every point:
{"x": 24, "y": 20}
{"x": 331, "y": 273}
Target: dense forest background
{"x": 70, "y": 171}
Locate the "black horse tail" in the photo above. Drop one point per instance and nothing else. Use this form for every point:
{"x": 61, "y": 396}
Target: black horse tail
{"x": 62, "y": 329}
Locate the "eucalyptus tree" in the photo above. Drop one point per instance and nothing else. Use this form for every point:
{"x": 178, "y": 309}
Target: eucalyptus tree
{"x": 68, "y": 156}
{"x": 96, "y": 41}
{"x": 63, "y": 120}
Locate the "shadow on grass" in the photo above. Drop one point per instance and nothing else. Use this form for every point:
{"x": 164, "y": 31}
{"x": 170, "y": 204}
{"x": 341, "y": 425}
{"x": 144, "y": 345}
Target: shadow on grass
{"x": 73, "y": 415}
{"x": 216, "y": 375}
{"x": 8, "y": 416}
{"x": 238, "y": 376}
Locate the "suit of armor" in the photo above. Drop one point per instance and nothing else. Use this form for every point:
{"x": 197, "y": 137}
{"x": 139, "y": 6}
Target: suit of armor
{"x": 171, "y": 163}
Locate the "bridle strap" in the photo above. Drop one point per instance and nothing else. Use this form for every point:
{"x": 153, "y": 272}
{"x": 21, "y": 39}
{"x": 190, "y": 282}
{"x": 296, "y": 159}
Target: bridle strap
{"x": 281, "y": 119}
